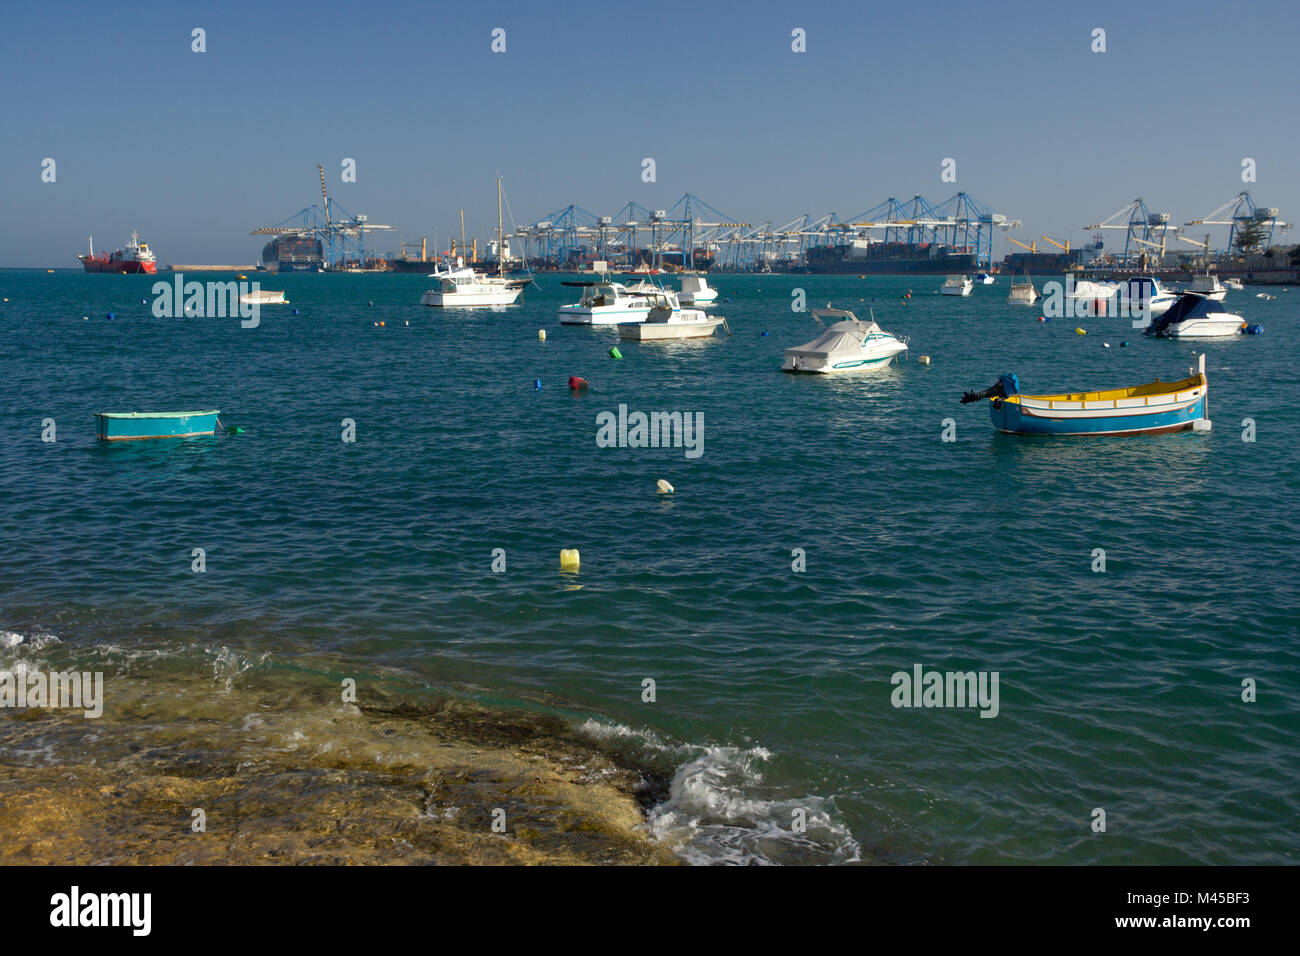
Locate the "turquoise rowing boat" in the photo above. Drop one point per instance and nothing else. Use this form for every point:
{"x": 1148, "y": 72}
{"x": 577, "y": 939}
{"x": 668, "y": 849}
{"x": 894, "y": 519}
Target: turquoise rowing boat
{"x": 132, "y": 426}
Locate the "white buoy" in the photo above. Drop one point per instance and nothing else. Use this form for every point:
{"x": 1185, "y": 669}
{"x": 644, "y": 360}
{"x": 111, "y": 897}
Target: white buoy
{"x": 924, "y": 360}
{"x": 664, "y": 487}
{"x": 541, "y": 334}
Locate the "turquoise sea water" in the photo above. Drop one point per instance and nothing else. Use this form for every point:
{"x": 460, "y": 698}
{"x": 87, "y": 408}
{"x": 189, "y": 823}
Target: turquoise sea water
{"x": 1119, "y": 690}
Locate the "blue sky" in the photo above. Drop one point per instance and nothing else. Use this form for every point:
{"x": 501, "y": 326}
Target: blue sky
{"x": 194, "y": 150}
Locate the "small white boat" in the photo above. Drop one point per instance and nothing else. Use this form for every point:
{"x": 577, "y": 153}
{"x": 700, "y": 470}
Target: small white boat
{"x": 1195, "y": 316}
{"x": 263, "y": 297}
{"x": 1092, "y": 290}
{"x": 1209, "y": 286}
{"x": 849, "y": 345}
{"x": 697, "y": 291}
{"x": 1233, "y": 285}
{"x": 984, "y": 278}
{"x": 607, "y": 303}
{"x": 957, "y": 285}
{"x": 668, "y": 320}
{"x": 1022, "y": 293}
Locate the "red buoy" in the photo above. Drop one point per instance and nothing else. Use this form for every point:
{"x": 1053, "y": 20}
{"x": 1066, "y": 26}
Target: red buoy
{"x": 575, "y": 382}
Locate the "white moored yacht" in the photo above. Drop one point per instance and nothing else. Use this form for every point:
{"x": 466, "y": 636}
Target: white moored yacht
{"x": 850, "y": 345}
{"x": 1145, "y": 294}
{"x": 607, "y": 303}
{"x": 1208, "y": 286}
{"x": 668, "y": 320}
{"x": 957, "y": 285}
{"x": 459, "y": 286}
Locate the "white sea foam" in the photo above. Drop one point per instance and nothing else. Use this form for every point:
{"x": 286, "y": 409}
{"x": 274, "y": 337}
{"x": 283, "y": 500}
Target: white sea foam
{"x": 720, "y": 811}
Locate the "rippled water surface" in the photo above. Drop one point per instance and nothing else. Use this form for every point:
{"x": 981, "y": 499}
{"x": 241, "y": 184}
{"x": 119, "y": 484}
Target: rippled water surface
{"x": 1119, "y": 690}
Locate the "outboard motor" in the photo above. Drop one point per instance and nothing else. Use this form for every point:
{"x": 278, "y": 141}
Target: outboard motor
{"x": 1006, "y": 386}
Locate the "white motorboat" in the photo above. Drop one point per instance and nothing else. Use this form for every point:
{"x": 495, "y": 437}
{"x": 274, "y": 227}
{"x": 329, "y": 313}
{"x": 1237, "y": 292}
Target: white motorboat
{"x": 459, "y": 286}
{"x": 697, "y": 291}
{"x": 1209, "y": 286}
{"x": 1023, "y": 293}
{"x": 985, "y": 278}
{"x": 1091, "y": 290}
{"x": 1145, "y": 295}
{"x": 849, "y": 345}
{"x": 668, "y": 320}
{"x": 1233, "y": 285}
{"x": 263, "y": 297}
{"x": 1195, "y": 316}
{"x": 607, "y": 303}
{"x": 957, "y": 285}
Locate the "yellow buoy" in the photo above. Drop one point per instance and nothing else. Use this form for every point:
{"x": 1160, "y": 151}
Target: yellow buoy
{"x": 1079, "y": 331}
{"x": 664, "y": 487}
{"x": 541, "y": 334}
{"x": 924, "y": 360}
{"x": 569, "y": 559}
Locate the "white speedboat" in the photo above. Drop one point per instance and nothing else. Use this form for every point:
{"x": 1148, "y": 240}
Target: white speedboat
{"x": 668, "y": 320}
{"x": 1195, "y": 316}
{"x": 1209, "y": 286}
{"x": 697, "y": 291}
{"x": 1022, "y": 293}
{"x": 607, "y": 303}
{"x": 1092, "y": 290}
{"x": 849, "y": 345}
{"x": 1146, "y": 295}
{"x": 984, "y": 278}
{"x": 1233, "y": 285}
{"x": 957, "y": 285}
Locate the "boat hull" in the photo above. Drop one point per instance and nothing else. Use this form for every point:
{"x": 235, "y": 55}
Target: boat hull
{"x": 138, "y": 426}
{"x": 602, "y": 315}
{"x": 663, "y": 331}
{"x": 469, "y": 300}
{"x": 1034, "y": 417}
{"x": 118, "y": 266}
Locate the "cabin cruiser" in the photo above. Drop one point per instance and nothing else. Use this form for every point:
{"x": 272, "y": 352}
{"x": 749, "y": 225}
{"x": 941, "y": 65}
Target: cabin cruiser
{"x": 957, "y": 285}
{"x": 697, "y": 291}
{"x": 1209, "y": 286}
{"x": 607, "y": 303}
{"x": 1233, "y": 285}
{"x": 461, "y": 286}
{"x": 668, "y": 320}
{"x": 984, "y": 278}
{"x": 849, "y": 345}
{"x": 1195, "y": 316}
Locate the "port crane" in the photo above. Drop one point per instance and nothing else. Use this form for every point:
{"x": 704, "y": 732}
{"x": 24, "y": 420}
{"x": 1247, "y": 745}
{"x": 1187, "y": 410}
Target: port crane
{"x": 1141, "y": 227}
{"x": 341, "y": 234}
{"x": 1238, "y": 212}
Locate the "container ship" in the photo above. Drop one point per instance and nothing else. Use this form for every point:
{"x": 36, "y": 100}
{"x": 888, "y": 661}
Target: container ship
{"x": 136, "y": 257}
{"x": 293, "y": 253}
{"x": 899, "y": 258}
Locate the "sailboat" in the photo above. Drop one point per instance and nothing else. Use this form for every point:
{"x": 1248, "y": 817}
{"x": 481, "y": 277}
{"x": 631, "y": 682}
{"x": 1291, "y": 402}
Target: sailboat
{"x": 459, "y": 286}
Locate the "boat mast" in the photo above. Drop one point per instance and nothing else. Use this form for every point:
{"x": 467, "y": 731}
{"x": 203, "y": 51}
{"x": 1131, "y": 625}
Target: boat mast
{"x": 501, "y": 258}
{"x": 462, "y": 232}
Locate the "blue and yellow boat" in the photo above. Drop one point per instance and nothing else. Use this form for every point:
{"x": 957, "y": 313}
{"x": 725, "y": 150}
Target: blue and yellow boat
{"x": 1142, "y": 409}
{"x": 132, "y": 426}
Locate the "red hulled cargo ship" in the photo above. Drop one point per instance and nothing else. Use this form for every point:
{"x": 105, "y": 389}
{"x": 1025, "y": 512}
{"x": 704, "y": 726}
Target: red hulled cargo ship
{"x": 136, "y": 257}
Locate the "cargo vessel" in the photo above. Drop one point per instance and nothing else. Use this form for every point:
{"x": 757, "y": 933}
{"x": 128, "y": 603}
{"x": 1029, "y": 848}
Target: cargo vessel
{"x": 862, "y": 257}
{"x": 136, "y": 257}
